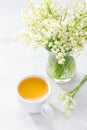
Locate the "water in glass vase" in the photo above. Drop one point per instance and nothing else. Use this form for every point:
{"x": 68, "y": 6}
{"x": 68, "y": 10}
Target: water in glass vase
{"x": 61, "y": 73}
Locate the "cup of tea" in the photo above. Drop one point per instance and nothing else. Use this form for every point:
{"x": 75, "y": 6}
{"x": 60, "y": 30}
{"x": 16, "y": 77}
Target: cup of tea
{"x": 34, "y": 93}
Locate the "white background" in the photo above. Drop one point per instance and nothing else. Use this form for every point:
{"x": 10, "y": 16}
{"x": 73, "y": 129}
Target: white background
{"x": 16, "y": 62}
{"x": 10, "y": 17}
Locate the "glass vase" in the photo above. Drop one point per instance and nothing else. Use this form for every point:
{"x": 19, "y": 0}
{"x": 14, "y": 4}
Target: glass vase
{"x": 61, "y": 73}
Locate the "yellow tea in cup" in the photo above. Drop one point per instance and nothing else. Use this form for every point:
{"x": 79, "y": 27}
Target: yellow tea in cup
{"x": 33, "y": 88}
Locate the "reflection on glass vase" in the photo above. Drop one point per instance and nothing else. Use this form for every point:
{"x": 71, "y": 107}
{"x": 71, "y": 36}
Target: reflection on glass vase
{"x": 61, "y": 73}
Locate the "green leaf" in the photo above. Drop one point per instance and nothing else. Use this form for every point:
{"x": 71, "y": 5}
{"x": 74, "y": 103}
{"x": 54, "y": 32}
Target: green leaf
{"x": 48, "y": 7}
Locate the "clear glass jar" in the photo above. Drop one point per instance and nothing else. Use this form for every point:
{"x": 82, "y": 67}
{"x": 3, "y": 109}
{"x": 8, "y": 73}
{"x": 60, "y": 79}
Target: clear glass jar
{"x": 61, "y": 72}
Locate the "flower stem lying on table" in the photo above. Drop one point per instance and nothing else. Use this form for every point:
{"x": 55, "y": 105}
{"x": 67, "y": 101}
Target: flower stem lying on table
{"x": 67, "y": 97}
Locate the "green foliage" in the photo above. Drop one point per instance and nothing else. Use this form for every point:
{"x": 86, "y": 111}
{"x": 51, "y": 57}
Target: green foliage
{"x": 57, "y": 28}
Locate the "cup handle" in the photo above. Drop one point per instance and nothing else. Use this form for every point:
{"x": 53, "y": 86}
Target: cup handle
{"x": 47, "y": 110}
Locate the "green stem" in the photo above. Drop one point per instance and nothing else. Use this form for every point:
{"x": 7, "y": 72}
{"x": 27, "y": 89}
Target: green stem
{"x": 74, "y": 91}
{"x": 48, "y": 6}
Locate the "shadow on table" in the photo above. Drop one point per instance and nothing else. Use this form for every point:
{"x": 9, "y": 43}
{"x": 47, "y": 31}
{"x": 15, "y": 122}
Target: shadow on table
{"x": 73, "y": 83}
{"x": 41, "y": 122}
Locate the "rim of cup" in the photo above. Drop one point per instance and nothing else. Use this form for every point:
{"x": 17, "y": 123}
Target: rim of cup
{"x": 38, "y": 100}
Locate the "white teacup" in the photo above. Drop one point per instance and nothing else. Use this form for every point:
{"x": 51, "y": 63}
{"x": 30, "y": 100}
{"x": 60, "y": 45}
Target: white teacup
{"x": 39, "y": 105}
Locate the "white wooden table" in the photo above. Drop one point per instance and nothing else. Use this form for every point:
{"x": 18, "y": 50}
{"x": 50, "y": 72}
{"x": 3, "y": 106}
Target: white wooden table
{"x": 16, "y": 62}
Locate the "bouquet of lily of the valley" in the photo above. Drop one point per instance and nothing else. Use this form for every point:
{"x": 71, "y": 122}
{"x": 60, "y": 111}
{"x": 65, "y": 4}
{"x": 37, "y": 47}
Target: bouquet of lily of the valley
{"x": 62, "y": 30}
{"x": 58, "y": 28}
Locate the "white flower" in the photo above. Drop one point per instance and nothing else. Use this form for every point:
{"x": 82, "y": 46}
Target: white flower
{"x": 50, "y": 44}
{"x": 54, "y": 50}
{"x": 49, "y": 22}
{"x": 61, "y": 61}
{"x": 68, "y": 102}
{"x": 56, "y": 42}
{"x": 60, "y": 54}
